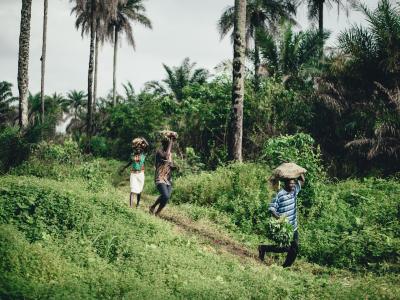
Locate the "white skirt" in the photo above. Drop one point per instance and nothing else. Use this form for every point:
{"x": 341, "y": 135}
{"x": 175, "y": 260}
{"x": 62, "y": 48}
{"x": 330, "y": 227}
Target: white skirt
{"x": 137, "y": 182}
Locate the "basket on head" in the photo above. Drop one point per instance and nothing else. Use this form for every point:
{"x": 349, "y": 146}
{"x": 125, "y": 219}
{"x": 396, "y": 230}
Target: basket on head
{"x": 167, "y": 134}
{"x": 287, "y": 171}
{"x": 139, "y": 144}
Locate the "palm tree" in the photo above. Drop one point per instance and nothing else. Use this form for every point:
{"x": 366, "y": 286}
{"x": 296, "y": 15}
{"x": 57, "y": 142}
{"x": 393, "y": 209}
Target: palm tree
{"x": 7, "y": 112}
{"x": 291, "y": 55}
{"x": 178, "y": 78}
{"x": 89, "y": 14}
{"x": 184, "y": 75}
{"x": 239, "y": 46}
{"x": 43, "y": 57}
{"x": 75, "y": 102}
{"x": 53, "y": 106}
{"x": 316, "y": 9}
{"x": 23, "y": 62}
{"x": 362, "y": 87}
{"x": 127, "y": 11}
{"x": 129, "y": 91}
{"x": 262, "y": 15}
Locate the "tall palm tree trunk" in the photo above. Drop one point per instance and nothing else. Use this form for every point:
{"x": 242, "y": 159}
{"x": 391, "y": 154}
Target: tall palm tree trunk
{"x": 89, "y": 116}
{"x": 256, "y": 65}
{"x": 23, "y": 62}
{"x": 236, "y": 124}
{"x": 115, "y": 66}
{"x": 321, "y": 16}
{"x": 43, "y": 58}
{"x": 321, "y": 25}
{"x": 96, "y": 64}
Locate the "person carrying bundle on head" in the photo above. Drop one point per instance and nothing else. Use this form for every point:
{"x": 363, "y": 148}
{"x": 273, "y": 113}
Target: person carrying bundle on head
{"x": 284, "y": 205}
{"x": 163, "y": 174}
{"x": 137, "y": 159}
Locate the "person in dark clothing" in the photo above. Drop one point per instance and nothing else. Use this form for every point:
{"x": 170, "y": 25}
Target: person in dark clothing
{"x": 284, "y": 205}
{"x": 163, "y": 178}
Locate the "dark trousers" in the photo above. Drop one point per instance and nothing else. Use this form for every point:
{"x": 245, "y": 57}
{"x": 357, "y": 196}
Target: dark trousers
{"x": 165, "y": 193}
{"x": 291, "y": 250}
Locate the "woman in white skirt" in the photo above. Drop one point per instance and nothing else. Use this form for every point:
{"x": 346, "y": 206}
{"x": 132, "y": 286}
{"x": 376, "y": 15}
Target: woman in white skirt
{"x": 137, "y": 169}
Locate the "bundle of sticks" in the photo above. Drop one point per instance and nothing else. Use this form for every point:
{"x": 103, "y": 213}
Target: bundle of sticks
{"x": 139, "y": 144}
{"x": 168, "y": 134}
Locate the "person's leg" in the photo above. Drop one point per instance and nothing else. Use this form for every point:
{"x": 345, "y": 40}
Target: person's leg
{"x": 138, "y": 199}
{"x": 161, "y": 187}
{"x": 131, "y": 199}
{"x": 157, "y": 202}
{"x": 165, "y": 191}
{"x": 263, "y": 249}
{"x": 293, "y": 251}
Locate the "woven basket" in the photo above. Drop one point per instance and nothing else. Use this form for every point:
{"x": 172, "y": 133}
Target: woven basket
{"x": 168, "y": 134}
{"x": 139, "y": 143}
{"x": 287, "y": 171}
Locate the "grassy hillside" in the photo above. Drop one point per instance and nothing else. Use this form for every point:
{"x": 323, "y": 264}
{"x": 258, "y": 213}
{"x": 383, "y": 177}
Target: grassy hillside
{"x": 58, "y": 240}
{"x": 352, "y": 224}
{"x": 73, "y": 236}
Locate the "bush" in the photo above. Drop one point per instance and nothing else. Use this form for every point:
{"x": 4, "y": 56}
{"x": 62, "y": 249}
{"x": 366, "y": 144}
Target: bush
{"x": 356, "y": 225}
{"x": 352, "y": 224}
{"x": 66, "y": 162}
{"x": 14, "y": 148}
{"x": 300, "y": 149}
{"x": 238, "y": 189}
{"x": 109, "y": 251}
{"x": 100, "y": 146}
{"x": 66, "y": 153}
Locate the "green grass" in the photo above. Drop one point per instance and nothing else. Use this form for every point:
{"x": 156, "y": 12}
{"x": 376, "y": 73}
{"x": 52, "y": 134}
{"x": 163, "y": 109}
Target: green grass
{"x": 352, "y": 224}
{"x": 61, "y": 240}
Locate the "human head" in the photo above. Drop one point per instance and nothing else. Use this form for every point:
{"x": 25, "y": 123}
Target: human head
{"x": 290, "y": 185}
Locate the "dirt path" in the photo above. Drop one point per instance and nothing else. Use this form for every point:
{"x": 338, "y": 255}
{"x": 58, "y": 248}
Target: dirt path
{"x": 210, "y": 236}
{"x": 212, "y": 239}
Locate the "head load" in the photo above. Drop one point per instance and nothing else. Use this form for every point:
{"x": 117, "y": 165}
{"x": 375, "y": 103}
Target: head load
{"x": 139, "y": 144}
{"x": 286, "y": 172}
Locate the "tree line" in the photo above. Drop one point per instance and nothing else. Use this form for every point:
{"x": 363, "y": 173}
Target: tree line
{"x": 346, "y": 97}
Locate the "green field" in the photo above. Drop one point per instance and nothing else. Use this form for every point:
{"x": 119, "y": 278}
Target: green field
{"x": 74, "y": 236}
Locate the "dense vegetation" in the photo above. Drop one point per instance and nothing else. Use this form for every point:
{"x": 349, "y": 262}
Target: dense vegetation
{"x": 66, "y": 231}
{"x": 352, "y": 91}
{"x": 73, "y": 236}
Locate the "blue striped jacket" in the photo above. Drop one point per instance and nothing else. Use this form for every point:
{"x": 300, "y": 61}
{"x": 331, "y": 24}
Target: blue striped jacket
{"x": 285, "y": 204}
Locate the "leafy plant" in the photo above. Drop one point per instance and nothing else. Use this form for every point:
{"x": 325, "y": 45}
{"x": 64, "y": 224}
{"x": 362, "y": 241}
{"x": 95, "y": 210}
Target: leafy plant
{"x": 280, "y": 231}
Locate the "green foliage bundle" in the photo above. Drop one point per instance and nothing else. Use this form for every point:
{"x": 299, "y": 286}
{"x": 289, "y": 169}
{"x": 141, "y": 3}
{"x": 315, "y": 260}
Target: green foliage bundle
{"x": 280, "y": 231}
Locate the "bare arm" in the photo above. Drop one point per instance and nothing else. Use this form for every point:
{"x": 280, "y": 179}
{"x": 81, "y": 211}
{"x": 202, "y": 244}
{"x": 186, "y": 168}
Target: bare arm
{"x": 169, "y": 149}
{"x": 273, "y": 206}
{"x": 302, "y": 179}
{"x": 124, "y": 167}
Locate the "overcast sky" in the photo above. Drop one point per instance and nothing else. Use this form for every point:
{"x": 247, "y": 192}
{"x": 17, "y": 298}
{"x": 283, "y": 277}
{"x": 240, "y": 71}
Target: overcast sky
{"x": 181, "y": 28}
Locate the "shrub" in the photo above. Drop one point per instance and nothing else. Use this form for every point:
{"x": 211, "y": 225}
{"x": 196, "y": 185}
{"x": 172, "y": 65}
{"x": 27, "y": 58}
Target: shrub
{"x": 299, "y": 148}
{"x": 238, "y": 189}
{"x": 14, "y": 148}
{"x": 66, "y": 153}
{"x": 351, "y": 224}
{"x": 99, "y": 146}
